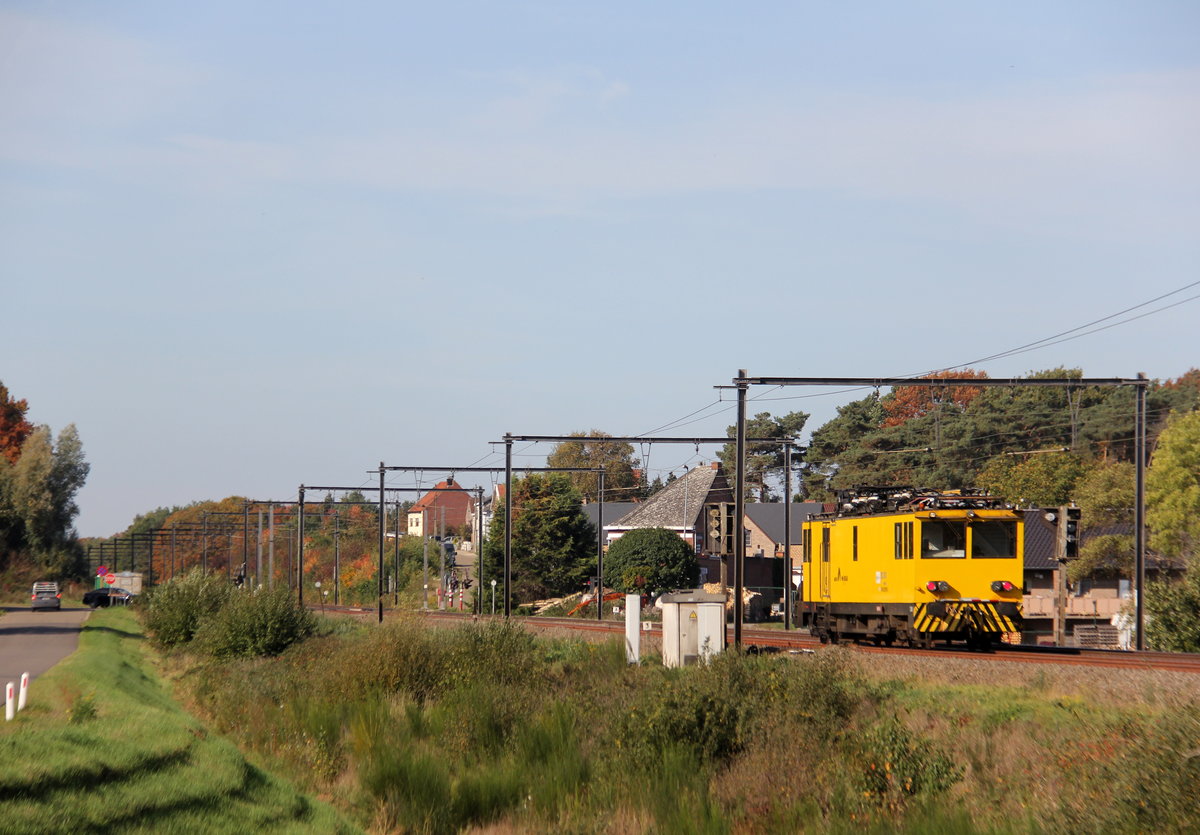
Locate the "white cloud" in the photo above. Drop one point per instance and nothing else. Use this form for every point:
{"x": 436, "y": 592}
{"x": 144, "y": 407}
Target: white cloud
{"x": 1087, "y": 153}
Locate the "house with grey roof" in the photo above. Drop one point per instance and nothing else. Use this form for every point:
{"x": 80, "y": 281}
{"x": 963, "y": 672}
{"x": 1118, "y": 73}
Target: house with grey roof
{"x": 677, "y": 507}
{"x": 612, "y": 511}
{"x": 767, "y": 521}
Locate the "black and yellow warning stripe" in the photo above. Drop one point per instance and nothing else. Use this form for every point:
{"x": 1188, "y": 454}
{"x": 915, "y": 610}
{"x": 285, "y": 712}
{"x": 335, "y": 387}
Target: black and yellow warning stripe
{"x": 966, "y": 616}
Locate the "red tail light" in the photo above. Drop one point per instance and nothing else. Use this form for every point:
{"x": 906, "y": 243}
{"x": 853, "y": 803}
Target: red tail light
{"x": 1002, "y": 585}
{"x": 937, "y": 585}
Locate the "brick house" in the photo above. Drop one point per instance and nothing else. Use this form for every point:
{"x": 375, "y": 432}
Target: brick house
{"x": 447, "y": 506}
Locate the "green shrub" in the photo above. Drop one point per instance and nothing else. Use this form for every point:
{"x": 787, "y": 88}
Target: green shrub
{"x": 410, "y": 660}
{"x": 822, "y": 692}
{"x": 706, "y": 708}
{"x": 896, "y": 765}
{"x": 175, "y": 610}
{"x": 253, "y": 623}
{"x": 651, "y": 560}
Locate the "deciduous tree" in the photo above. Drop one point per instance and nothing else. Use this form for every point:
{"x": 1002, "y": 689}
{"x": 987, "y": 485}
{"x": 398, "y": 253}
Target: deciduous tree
{"x": 1033, "y": 480}
{"x": 907, "y": 402}
{"x": 1173, "y": 516}
{"x": 1173, "y": 490}
{"x": 1173, "y": 609}
{"x": 14, "y": 428}
{"x": 45, "y": 480}
{"x": 614, "y": 457}
{"x": 1105, "y": 495}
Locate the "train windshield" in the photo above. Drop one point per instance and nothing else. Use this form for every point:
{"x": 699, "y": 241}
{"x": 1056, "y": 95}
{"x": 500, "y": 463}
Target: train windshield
{"x": 943, "y": 540}
{"x": 994, "y": 540}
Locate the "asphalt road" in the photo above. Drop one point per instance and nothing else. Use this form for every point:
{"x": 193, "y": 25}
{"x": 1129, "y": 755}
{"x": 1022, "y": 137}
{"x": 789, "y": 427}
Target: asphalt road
{"x": 33, "y": 642}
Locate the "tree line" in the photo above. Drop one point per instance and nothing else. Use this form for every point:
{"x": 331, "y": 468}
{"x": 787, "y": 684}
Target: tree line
{"x": 40, "y": 476}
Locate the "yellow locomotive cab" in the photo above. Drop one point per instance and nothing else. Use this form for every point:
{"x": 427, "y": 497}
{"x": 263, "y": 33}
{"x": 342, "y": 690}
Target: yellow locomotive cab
{"x": 913, "y": 566}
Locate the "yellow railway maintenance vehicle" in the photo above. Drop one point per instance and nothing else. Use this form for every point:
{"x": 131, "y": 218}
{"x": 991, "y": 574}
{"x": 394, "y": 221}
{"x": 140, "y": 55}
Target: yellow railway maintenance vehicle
{"x": 896, "y": 564}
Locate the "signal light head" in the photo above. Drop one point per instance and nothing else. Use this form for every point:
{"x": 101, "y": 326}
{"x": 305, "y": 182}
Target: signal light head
{"x": 1002, "y": 585}
{"x": 937, "y": 586}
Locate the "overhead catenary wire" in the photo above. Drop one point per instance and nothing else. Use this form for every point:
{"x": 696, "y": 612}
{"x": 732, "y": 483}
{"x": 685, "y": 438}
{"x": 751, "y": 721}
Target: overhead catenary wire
{"x": 1077, "y": 332}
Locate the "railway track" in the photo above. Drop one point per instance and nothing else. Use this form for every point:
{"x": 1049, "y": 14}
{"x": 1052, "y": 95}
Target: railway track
{"x": 796, "y": 641}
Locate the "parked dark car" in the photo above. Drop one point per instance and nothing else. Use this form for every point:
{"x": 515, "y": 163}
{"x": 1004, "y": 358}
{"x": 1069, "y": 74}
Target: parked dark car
{"x": 107, "y": 597}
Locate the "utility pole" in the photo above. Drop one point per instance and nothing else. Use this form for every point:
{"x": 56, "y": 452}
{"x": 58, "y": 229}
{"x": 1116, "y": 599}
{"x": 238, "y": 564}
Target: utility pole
{"x": 300, "y": 551}
{"x": 479, "y": 550}
{"x": 382, "y": 537}
{"x": 396, "y": 558}
{"x": 787, "y": 536}
{"x": 337, "y": 574}
{"x": 508, "y": 503}
{"x": 1060, "y": 577}
{"x": 1139, "y": 518}
{"x": 739, "y": 515}
{"x": 258, "y": 551}
{"x": 271, "y": 546}
{"x": 245, "y": 541}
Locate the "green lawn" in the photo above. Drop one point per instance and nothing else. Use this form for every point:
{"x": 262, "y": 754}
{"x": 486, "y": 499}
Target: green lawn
{"x": 103, "y": 747}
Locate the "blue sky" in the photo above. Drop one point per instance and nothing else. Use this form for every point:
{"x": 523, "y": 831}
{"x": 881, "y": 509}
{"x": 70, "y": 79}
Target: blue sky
{"x": 246, "y": 246}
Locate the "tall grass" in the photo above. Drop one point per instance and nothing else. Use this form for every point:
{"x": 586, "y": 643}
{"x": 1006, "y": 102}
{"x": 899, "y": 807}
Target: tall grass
{"x": 445, "y": 730}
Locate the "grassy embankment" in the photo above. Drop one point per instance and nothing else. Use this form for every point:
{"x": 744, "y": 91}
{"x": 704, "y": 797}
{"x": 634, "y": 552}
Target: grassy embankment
{"x": 485, "y": 727}
{"x": 103, "y": 747}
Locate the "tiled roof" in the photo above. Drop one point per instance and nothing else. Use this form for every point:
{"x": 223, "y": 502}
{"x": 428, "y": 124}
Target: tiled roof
{"x": 680, "y": 502}
{"x": 612, "y": 511}
{"x": 438, "y": 496}
{"x": 1039, "y": 542}
{"x": 769, "y": 516}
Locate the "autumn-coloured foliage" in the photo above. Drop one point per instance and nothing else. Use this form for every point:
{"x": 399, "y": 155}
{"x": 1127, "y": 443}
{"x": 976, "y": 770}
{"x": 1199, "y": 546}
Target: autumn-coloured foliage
{"x": 363, "y": 567}
{"x": 908, "y": 402}
{"x": 14, "y": 428}
{"x": 1189, "y": 379}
